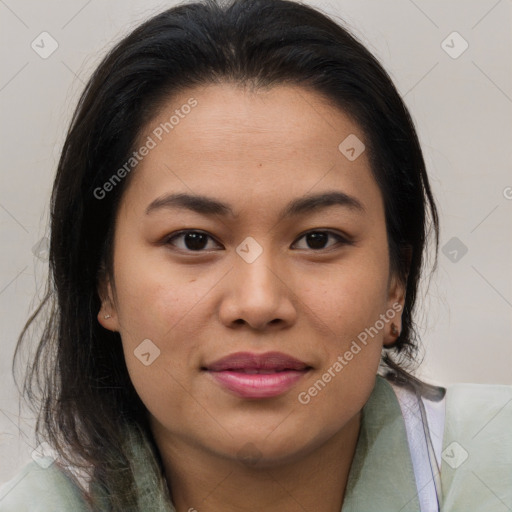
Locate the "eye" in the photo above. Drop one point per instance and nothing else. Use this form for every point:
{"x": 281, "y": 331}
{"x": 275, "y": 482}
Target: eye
{"x": 317, "y": 239}
{"x": 197, "y": 241}
{"x": 192, "y": 240}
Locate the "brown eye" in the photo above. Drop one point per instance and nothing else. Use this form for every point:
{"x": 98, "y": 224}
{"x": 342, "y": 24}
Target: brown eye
{"x": 317, "y": 240}
{"x": 195, "y": 241}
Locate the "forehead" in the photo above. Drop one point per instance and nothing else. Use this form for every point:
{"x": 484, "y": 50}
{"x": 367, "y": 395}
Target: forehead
{"x": 224, "y": 139}
{"x": 273, "y": 121}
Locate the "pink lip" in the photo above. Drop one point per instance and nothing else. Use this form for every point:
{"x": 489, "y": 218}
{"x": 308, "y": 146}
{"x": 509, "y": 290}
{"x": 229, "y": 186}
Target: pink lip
{"x": 258, "y": 385}
{"x": 251, "y": 375}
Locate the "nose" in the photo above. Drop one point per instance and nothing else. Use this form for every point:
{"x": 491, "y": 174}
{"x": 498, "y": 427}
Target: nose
{"x": 258, "y": 294}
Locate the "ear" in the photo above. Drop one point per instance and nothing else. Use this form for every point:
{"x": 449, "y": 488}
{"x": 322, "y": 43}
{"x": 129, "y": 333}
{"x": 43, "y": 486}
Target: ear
{"x": 107, "y": 315}
{"x": 396, "y": 298}
{"x": 395, "y": 307}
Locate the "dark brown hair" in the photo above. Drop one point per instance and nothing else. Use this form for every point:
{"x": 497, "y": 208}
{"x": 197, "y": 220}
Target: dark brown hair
{"x": 78, "y": 379}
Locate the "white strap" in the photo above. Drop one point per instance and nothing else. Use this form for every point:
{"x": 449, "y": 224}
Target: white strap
{"x": 424, "y": 424}
{"x": 436, "y": 416}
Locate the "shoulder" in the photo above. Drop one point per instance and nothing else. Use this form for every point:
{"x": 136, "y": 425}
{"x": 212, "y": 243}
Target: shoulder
{"x": 36, "y": 488}
{"x": 477, "y": 447}
{"x": 467, "y": 454}
{"x": 490, "y": 397}
{"x": 479, "y": 416}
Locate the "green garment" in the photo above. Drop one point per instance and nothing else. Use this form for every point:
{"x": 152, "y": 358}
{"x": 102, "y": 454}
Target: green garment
{"x": 477, "y": 449}
{"x": 381, "y": 477}
{"x": 476, "y": 471}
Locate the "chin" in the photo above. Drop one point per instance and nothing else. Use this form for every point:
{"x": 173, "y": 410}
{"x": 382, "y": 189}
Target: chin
{"x": 262, "y": 451}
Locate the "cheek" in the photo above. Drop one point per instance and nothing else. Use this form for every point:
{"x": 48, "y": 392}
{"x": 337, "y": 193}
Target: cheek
{"x": 158, "y": 338}
{"x": 348, "y": 297}
{"x": 153, "y": 297}
{"x": 168, "y": 307}
{"x": 344, "y": 309}
{"x": 346, "y": 306}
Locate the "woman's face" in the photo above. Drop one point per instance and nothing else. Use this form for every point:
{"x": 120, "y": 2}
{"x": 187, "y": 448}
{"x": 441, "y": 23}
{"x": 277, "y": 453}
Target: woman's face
{"x": 268, "y": 271}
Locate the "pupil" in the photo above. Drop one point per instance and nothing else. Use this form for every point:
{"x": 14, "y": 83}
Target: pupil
{"x": 317, "y": 240}
{"x": 195, "y": 241}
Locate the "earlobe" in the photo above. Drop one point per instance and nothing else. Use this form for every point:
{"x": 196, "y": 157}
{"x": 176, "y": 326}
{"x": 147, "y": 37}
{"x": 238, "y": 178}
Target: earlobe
{"x": 392, "y": 334}
{"x": 107, "y": 314}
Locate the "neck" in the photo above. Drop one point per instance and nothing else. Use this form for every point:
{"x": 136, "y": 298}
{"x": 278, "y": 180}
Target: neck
{"x": 199, "y": 480}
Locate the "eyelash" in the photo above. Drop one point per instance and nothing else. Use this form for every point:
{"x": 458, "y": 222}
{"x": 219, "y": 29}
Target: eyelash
{"x": 341, "y": 239}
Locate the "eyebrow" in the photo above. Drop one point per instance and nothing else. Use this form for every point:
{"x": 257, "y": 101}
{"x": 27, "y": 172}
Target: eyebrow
{"x": 208, "y": 206}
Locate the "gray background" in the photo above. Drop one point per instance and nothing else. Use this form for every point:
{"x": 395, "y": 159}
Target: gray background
{"x": 462, "y": 108}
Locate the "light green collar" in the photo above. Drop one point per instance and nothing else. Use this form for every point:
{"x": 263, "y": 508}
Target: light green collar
{"x": 381, "y": 477}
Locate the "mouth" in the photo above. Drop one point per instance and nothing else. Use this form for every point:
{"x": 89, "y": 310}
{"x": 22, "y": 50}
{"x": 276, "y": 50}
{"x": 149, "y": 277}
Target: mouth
{"x": 258, "y": 371}
{"x": 257, "y": 375}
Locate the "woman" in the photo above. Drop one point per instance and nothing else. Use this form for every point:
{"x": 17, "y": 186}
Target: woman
{"x": 239, "y": 220}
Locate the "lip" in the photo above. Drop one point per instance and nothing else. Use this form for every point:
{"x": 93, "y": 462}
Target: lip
{"x": 250, "y": 375}
{"x": 277, "y": 361}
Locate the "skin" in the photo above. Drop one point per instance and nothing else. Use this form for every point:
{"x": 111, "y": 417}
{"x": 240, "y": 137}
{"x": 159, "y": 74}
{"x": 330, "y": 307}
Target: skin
{"x": 256, "y": 151}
